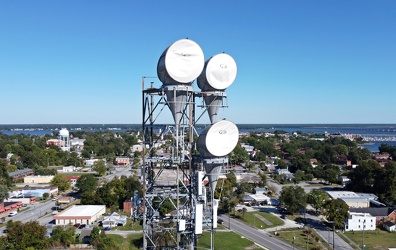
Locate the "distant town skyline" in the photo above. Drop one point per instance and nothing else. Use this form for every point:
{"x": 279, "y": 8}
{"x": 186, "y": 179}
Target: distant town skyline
{"x": 299, "y": 62}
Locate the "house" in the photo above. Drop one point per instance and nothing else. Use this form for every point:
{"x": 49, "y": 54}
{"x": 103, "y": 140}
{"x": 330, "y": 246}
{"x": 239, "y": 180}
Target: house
{"x": 69, "y": 169}
{"x": 359, "y": 222}
{"x": 262, "y": 190}
{"x": 90, "y": 162}
{"x": 114, "y": 220}
{"x": 381, "y": 214}
{"x": 72, "y": 179}
{"x": 52, "y": 142}
{"x": 137, "y": 148}
{"x": 20, "y": 174}
{"x": 343, "y": 160}
{"x": 122, "y": 161}
{"x": 389, "y": 226}
{"x": 313, "y": 162}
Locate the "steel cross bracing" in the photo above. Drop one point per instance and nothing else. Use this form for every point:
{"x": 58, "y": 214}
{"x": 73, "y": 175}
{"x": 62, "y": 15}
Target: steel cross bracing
{"x": 177, "y": 230}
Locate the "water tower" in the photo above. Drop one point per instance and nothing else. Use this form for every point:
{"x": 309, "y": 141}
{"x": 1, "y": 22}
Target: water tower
{"x": 64, "y": 140}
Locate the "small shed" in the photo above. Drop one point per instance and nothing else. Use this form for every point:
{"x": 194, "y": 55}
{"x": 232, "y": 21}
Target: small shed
{"x": 389, "y": 226}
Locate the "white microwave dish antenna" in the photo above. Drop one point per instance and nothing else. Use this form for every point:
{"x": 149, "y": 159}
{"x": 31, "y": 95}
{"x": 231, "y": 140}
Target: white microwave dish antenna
{"x": 218, "y": 74}
{"x": 218, "y": 139}
{"x": 181, "y": 63}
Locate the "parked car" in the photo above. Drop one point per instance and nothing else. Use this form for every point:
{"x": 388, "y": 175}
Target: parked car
{"x": 77, "y": 225}
{"x": 13, "y": 213}
{"x": 106, "y": 229}
{"x": 55, "y": 199}
{"x": 82, "y": 226}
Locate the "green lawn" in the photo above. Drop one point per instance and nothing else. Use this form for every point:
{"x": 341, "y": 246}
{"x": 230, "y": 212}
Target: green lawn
{"x": 303, "y": 239}
{"x": 254, "y": 221}
{"x": 132, "y": 242}
{"x": 128, "y": 226}
{"x": 222, "y": 240}
{"x": 225, "y": 240}
{"x": 378, "y": 239}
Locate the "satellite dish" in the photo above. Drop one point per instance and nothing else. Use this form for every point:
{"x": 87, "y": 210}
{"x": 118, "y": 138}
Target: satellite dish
{"x": 218, "y": 139}
{"x": 181, "y": 63}
{"x": 218, "y": 74}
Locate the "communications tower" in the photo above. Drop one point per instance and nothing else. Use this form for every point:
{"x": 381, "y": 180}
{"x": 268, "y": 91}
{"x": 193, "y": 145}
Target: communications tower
{"x": 190, "y": 159}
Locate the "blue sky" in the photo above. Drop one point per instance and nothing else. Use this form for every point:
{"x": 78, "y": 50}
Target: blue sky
{"x": 65, "y": 62}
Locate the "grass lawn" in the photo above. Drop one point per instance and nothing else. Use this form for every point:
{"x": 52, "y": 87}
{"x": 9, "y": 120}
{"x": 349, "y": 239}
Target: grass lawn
{"x": 132, "y": 242}
{"x": 70, "y": 174}
{"x": 302, "y": 239}
{"x": 251, "y": 219}
{"x": 378, "y": 239}
{"x": 225, "y": 240}
{"x": 128, "y": 226}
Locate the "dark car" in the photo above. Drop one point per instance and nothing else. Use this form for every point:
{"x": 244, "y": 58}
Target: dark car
{"x": 82, "y": 226}
{"x": 77, "y": 225}
{"x": 106, "y": 229}
{"x": 283, "y": 216}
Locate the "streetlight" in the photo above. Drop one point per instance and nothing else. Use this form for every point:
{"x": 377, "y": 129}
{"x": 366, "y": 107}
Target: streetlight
{"x": 364, "y": 225}
{"x": 294, "y": 238}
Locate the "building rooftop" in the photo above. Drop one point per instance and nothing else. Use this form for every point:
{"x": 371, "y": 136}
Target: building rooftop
{"x": 82, "y": 210}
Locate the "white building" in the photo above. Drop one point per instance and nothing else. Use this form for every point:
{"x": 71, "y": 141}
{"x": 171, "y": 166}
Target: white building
{"x": 359, "y": 222}
{"x": 114, "y": 220}
{"x": 83, "y": 214}
{"x": 69, "y": 169}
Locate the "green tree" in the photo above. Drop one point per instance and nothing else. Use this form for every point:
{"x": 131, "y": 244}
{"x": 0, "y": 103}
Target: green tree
{"x": 95, "y": 236}
{"x": 294, "y": 198}
{"x": 3, "y": 192}
{"x": 61, "y": 182}
{"x": 263, "y": 179}
{"x": 45, "y": 196}
{"x": 384, "y": 183}
{"x": 363, "y": 176}
{"x": 62, "y": 236}
{"x": 331, "y": 174}
{"x": 100, "y": 167}
{"x": 337, "y": 211}
{"x": 87, "y": 183}
{"x": 239, "y": 155}
{"x": 24, "y": 235}
{"x": 317, "y": 198}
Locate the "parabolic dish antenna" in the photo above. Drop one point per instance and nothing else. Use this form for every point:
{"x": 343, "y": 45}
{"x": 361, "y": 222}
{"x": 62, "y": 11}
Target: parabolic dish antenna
{"x": 218, "y": 139}
{"x": 181, "y": 62}
{"x": 218, "y": 74}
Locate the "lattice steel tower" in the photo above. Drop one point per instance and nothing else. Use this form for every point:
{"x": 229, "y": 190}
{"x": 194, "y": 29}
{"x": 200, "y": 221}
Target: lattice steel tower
{"x": 190, "y": 157}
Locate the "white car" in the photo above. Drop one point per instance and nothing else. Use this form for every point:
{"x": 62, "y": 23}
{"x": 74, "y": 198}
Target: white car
{"x": 13, "y": 213}
{"x": 55, "y": 199}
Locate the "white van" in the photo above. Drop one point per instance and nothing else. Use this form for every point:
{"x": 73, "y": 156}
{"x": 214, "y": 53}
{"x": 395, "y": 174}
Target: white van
{"x": 13, "y": 213}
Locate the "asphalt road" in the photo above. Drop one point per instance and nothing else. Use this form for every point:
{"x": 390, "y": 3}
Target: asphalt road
{"x": 33, "y": 212}
{"x": 258, "y": 236}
